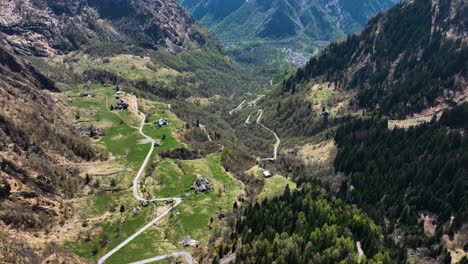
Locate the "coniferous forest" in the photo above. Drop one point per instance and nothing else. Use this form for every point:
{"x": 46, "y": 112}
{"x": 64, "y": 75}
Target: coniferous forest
{"x": 401, "y": 172}
{"x": 393, "y": 175}
{"x": 309, "y": 226}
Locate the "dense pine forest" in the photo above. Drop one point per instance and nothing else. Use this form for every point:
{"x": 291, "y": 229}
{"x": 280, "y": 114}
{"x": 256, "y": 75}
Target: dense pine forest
{"x": 399, "y": 173}
{"x": 308, "y": 226}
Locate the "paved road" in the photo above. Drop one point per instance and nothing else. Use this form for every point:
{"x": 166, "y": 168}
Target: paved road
{"x": 278, "y": 140}
{"x": 184, "y": 254}
{"x": 228, "y": 259}
{"x": 239, "y": 107}
{"x": 247, "y": 121}
{"x": 136, "y": 194}
{"x": 203, "y": 127}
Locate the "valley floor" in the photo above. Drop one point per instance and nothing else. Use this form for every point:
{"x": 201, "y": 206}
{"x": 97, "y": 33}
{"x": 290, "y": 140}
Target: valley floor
{"x": 107, "y": 213}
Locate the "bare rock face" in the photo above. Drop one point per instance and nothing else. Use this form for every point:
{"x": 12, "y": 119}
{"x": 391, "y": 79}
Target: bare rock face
{"x": 48, "y": 27}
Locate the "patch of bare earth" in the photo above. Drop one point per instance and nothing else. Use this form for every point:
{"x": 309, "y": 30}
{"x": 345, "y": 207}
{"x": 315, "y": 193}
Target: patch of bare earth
{"x": 449, "y": 97}
{"x": 319, "y": 156}
{"x": 323, "y": 152}
{"x": 455, "y": 245}
{"x": 429, "y": 223}
{"x": 101, "y": 168}
{"x": 338, "y": 102}
{"x": 444, "y": 102}
{"x": 199, "y": 101}
{"x": 419, "y": 256}
{"x": 130, "y": 100}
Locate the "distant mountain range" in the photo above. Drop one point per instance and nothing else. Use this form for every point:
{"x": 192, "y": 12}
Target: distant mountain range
{"x": 237, "y": 20}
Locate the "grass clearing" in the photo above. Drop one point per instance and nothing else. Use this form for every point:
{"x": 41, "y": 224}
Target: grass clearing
{"x": 318, "y": 153}
{"x": 275, "y": 186}
{"x": 321, "y": 95}
{"x": 121, "y": 138}
{"x": 168, "y": 180}
{"x": 196, "y": 210}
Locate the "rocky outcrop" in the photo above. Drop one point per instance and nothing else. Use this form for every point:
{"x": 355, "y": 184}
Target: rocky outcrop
{"x": 38, "y": 151}
{"x": 14, "y": 71}
{"x": 88, "y": 131}
{"x": 48, "y": 27}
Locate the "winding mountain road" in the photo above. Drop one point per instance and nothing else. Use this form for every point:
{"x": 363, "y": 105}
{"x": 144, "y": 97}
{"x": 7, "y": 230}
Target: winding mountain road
{"x": 247, "y": 121}
{"x": 239, "y": 107}
{"x": 137, "y": 196}
{"x": 278, "y": 140}
{"x": 203, "y": 127}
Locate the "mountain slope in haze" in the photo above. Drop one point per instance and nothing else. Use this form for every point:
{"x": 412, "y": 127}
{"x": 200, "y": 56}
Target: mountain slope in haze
{"x": 237, "y": 20}
{"x": 404, "y": 61}
{"x": 47, "y": 27}
{"x": 37, "y": 153}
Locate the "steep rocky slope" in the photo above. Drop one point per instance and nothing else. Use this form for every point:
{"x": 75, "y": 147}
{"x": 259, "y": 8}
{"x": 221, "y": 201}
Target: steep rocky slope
{"x": 124, "y": 41}
{"x": 406, "y": 60}
{"x": 37, "y": 149}
{"x": 47, "y": 27}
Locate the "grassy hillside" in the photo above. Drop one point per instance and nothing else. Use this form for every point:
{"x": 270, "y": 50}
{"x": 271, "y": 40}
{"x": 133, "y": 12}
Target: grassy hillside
{"x": 109, "y": 198}
{"x": 198, "y": 72}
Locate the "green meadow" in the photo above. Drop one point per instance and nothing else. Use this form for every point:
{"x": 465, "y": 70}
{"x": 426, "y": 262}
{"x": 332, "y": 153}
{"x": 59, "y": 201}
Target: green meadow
{"x": 170, "y": 178}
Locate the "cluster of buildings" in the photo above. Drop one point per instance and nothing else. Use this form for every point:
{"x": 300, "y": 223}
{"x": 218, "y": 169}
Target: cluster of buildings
{"x": 86, "y": 94}
{"x": 87, "y": 88}
{"x": 295, "y": 58}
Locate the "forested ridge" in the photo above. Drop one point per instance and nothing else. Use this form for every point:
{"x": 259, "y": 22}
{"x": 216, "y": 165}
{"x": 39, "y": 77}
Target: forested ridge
{"x": 307, "y": 226}
{"x": 398, "y": 173}
{"x": 393, "y": 176}
{"x": 401, "y": 62}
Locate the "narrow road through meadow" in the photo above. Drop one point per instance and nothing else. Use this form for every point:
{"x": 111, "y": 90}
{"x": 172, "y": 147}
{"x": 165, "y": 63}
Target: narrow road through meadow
{"x": 176, "y": 201}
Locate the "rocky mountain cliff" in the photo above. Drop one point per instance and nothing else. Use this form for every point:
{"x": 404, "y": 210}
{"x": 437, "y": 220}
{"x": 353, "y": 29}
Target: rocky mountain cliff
{"x": 319, "y": 19}
{"x": 408, "y": 59}
{"x": 47, "y": 27}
